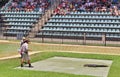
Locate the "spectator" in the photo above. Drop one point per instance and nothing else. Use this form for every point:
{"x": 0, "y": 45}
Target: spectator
{"x": 72, "y": 5}
{"x": 57, "y": 11}
{"x": 115, "y": 1}
{"x": 29, "y": 5}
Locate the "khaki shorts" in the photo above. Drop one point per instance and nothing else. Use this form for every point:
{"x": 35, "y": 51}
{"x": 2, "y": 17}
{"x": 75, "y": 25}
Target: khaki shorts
{"x": 25, "y": 56}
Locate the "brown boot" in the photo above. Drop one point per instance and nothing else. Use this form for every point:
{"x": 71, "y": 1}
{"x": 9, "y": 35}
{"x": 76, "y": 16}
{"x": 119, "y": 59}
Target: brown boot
{"x": 30, "y": 65}
{"x": 21, "y": 65}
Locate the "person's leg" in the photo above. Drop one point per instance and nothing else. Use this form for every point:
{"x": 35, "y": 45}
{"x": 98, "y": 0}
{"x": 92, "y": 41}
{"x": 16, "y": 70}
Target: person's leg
{"x": 22, "y": 59}
{"x": 29, "y": 63}
{"x": 25, "y": 60}
{"x": 28, "y": 59}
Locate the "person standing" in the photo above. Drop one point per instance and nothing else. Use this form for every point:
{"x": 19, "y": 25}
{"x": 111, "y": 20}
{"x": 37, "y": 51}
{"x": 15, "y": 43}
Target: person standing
{"x": 24, "y": 53}
{"x": 21, "y": 43}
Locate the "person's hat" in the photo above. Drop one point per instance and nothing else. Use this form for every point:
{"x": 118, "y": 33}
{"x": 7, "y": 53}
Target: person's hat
{"x": 27, "y": 40}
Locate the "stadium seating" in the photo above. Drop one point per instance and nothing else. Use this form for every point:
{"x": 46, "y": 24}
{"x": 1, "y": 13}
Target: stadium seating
{"x": 21, "y": 18}
{"x": 71, "y": 25}
{"x": 19, "y": 22}
{"x": 75, "y": 24}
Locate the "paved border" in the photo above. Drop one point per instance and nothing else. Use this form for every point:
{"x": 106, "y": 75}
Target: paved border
{"x": 71, "y": 66}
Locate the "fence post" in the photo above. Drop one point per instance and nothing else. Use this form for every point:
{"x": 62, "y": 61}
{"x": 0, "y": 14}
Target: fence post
{"x": 51, "y": 36}
{"x": 42, "y": 37}
{"x": 62, "y": 37}
{"x": 84, "y": 39}
{"x": 104, "y": 38}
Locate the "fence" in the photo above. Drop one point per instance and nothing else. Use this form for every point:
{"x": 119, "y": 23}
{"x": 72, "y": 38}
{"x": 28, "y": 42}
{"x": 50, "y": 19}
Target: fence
{"x": 80, "y": 40}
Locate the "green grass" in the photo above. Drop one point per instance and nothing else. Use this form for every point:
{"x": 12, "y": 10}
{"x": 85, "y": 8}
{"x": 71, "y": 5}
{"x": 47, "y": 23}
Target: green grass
{"x": 7, "y": 49}
{"x": 7, "y": 66}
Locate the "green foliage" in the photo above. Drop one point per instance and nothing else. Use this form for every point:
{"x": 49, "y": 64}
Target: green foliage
{"x": 7, "y": 49}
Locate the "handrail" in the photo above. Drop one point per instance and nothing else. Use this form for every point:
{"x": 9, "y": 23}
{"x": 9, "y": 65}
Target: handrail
{"x": 6, "y": 5}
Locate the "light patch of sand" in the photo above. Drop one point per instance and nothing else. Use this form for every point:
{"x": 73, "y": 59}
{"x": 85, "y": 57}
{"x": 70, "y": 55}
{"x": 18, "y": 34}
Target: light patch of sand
{"x": 4, "y": 41}
{"x": 15, "y": 56}
{"x": 71, "y": 66}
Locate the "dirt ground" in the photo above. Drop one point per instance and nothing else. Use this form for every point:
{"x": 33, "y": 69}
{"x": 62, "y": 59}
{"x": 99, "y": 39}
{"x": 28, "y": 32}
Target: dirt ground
{"x": 83, "y": 49}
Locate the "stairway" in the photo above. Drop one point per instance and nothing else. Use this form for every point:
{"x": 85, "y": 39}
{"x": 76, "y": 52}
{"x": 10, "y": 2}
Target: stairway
{"x": 40, "y": 23}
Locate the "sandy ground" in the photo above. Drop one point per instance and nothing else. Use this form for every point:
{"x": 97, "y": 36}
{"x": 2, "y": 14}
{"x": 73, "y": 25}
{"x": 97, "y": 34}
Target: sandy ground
{"x": 15, "y": 56}
{"x": 90, "y": 52}
{"x": 4, "y": 41}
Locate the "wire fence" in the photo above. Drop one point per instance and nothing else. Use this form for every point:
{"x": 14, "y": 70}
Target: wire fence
{"x": 80, "y": 40}
{"x": 72, "y": 40}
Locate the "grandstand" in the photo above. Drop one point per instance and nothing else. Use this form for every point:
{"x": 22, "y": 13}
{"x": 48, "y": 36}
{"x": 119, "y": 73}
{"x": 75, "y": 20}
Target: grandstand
{"x": 20, "y": 22}
{"x": 85, "y": 20}
{"x": 76, "y": 24}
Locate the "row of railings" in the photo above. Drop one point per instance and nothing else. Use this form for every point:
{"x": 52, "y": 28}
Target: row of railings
{"x": 7, "y": 5}
{"x": 83, "y": 39}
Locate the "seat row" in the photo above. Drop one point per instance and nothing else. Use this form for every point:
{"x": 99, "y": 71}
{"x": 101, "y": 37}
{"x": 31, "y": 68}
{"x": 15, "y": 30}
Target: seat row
{"x": 15, "y": 32}
{"x": 86, "y": 16}
{"x": 108, "y": 30}
{"x": 84, "y": 20}
{"x": 22, "y": 16}
{"x": 21, "y": 24}
{"x": 91, "y": 13}
{"x": 20, "y": 12}
{"x": 20, "y": 19}
{"x": 113, "y": 25}
{"x": 63, "y": 34}
{"x": 18, "y": 28}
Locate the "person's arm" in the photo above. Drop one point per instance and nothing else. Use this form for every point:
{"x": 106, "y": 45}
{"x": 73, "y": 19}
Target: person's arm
{"x": 27, "y": 48}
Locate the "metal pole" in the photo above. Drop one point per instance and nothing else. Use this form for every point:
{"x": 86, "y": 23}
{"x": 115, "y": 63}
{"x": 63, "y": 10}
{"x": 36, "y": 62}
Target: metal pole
{"x": 104, "y": 38}
{"x": 84, "y": 40}
{"x": 42, "y": 37}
